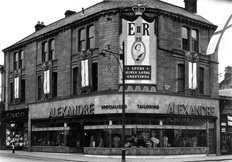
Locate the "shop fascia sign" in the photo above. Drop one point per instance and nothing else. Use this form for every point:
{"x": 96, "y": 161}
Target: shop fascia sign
{"x": 71, "y": 110}
{"x": 110, "y": 107}
{"x": 186, "y": 109}
{"x": 23, "y": 114}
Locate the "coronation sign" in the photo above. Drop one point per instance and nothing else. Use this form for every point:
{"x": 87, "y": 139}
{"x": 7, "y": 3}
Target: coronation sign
{"x": 71, "y": 110}
{"x": 138, "y": 33}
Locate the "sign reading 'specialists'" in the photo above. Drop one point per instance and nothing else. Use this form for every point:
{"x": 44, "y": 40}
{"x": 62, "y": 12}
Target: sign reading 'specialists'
{"x": 140, "y": 48}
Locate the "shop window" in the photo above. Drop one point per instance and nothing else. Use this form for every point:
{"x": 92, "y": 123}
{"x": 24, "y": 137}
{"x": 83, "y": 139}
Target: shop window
{"x": 91, "y": 37}
{"x": 82, "y": 40}
{"x": 16, "y": 60}
{"x": 75, "y": 80}
{"x": 54, "y": 84}
{"x": 40, "y": 87}
{"x": 23, "y": 90}
{"x": 181, "y": 78}
{"x": 185, "y": 38}
{"x": 201, "y": 80}
{"x": 95, "y": 76}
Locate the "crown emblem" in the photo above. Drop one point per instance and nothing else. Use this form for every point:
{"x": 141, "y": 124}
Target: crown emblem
{"x": 138, "y": 10}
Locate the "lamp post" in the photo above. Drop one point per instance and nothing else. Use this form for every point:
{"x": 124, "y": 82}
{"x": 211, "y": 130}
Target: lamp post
{"x": 123, "y": 104}
{"x": 122, "y": 57}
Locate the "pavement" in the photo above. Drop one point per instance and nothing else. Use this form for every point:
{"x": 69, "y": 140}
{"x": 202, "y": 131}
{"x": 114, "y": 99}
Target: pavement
{"x": 77, "y": 157}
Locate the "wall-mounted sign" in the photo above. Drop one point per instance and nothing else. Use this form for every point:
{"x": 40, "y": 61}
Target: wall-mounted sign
{"x": 71, "y": 110}
{"x": 105, "y": 107}
{"x": 21, "y": 114}
{"x": 140, "y": 50}
{"x": 148, "y": 106}
{"x": 185, "y": 109}
{"x": 138, "y": 72}
{"x": 226, "y": 107}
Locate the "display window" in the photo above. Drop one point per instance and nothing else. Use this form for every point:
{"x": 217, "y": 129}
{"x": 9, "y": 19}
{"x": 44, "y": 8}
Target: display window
{"x": 16, "y": 133}
{"x": 56, "y": 133}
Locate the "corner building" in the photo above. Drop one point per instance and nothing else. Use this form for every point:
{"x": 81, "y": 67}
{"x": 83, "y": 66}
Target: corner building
{"x": 65, "y": 81}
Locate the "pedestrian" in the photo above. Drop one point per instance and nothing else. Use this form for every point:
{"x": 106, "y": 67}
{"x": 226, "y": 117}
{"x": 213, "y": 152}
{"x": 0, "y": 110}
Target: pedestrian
{"x": 13, "y": 146}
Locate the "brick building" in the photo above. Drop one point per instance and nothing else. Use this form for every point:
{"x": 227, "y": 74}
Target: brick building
{"x": 64, "y": 96}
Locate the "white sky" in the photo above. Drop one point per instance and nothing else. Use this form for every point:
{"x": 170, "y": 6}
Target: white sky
{"x": 18, "y": 18}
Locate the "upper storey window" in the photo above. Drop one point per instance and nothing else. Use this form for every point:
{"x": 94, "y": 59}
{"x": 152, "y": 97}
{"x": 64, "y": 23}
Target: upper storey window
{"x": 187, "y": 43}
{"x": 185, "y": 38}
{"x": 18, "y": 60}
{"x": 90, "y": 37}
{"x": 86, "y": 38}
{"x": 194, "y": 38}
{"x": 48, "y": 50}
{"x": 82, "y": 40}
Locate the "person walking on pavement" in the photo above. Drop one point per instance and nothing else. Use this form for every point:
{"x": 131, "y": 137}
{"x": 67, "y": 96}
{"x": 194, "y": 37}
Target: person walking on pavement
{"x": 13, "y": 145}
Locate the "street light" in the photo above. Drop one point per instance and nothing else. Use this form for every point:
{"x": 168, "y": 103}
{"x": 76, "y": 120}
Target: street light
{"x": 122, "y": 57}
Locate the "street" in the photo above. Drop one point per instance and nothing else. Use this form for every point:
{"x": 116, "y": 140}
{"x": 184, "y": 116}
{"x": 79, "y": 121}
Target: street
{"x": 22, "y": 156}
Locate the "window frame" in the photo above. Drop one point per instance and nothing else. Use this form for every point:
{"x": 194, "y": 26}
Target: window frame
{"x": 181, "y": 78}
{"x": 81, "y": 39}
{"x": 76, "y": 75}
{"x": 201, "y": 80}
{"x": 185, "y": 41}
{"x": 90, "y": 36}
{"x": 191, "y": 43}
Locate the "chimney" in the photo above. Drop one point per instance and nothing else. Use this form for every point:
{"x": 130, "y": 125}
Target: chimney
{"x": 69, "y": 13}
{"x": 39, "y": 26}
{"x": 191, "y": 5}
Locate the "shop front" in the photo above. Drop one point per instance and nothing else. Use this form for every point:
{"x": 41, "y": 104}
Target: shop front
{"x": 16, "y": 126}
{"x": 226, "y": 125}
{"x": 155, "y": 125}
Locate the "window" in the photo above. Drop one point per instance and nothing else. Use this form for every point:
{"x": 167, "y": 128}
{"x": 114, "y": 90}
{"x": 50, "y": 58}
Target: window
{"x": 91, "y": 39}
{"x": 82, "y": 40}
{"x": 16, "y": 87}
{"x": 75, "y": 80}
{"x": 54, "y": 84}
{"x": 95, "y": 76}
{"x": 201, "y": 80}
{"x": 46, "y": 84}
{"x": 11, "y": 92}
{"x": 39, "y": 87}
{"x": 181, "y": 78}
{"x": 185, "y": 38}
{"x": 188, "y": 44}
{"x": 16, "y": 60}
{"x": 51, "y": 49}
{"x": 85, "y": 73}
{"x": 21, "y": 59}
{"x": 48, "y": 50}
{"x": 44, "y": 52}
{"x": 22, "y": 90}
{"x": 192, "y": 75}
{"x": 194, "y": 37}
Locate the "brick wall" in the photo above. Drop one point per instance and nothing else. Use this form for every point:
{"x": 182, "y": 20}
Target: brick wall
{"x": 63, "y": 53}
{"x": 30, "y": 72}
{"x": 108, "y": 34}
